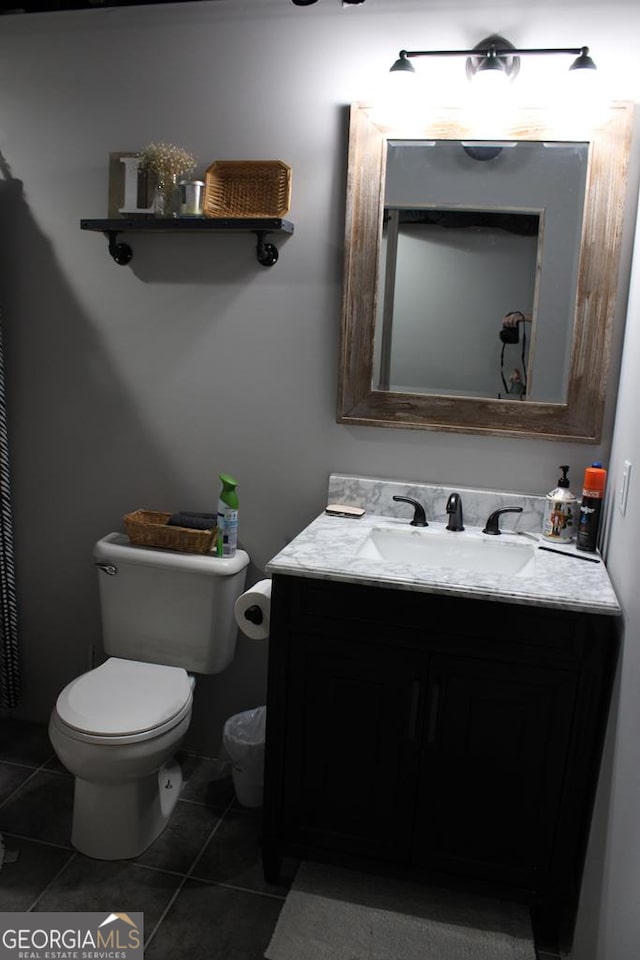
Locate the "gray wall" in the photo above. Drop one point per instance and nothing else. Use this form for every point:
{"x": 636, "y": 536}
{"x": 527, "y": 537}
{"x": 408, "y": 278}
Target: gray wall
{"x": 609, "y": 926}
{"x": 545, "y": 178}
{"x": 445, "y": 333}
{"x": 136, "y": 386}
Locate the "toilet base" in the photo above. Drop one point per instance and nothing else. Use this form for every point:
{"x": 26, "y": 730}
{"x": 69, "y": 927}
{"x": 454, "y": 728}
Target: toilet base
{"x": 119, "y": 821}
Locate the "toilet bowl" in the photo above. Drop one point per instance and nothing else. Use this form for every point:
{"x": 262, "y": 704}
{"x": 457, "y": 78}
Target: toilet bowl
{"x": 116, "y": 729}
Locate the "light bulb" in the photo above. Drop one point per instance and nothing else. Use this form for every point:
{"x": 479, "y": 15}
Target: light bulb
{"x": 581, "y": 102}
{"x": 489, "y": 103}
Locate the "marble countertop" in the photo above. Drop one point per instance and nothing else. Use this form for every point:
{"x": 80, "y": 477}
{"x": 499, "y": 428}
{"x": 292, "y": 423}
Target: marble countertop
{"x": 327, "y": 549}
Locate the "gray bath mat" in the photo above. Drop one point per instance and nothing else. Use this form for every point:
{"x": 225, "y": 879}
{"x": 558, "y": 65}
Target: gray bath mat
{"x": 336, "y": 914}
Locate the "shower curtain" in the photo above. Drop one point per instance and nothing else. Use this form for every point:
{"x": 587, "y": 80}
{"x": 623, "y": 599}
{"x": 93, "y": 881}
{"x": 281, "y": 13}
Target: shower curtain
{"x": 9, "y": 664}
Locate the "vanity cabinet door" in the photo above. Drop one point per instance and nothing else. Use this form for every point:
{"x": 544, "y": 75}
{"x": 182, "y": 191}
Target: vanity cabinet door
{"x": 497, "y": 737}
{"x": 352, "y": 748}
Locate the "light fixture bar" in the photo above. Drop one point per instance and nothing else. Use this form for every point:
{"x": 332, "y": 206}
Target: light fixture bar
{"x": 496, "y": 53}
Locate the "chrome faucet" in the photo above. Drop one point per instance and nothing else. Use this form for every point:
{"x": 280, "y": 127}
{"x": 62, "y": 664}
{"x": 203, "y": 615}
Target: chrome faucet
{"x": 454, "y": 509}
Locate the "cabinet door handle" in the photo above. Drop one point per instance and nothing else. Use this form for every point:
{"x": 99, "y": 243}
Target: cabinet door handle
{"x": 433, "y": 713}
{"x": 413, "y": 710}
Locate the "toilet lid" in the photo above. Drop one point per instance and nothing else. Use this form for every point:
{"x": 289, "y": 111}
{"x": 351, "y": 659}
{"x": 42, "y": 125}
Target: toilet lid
{"x": 124, "y": 697}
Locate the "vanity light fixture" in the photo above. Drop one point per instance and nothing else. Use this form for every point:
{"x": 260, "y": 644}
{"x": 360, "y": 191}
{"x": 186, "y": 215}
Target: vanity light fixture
{"x": 308, "y": 3}
{"x": 494, "y": 57}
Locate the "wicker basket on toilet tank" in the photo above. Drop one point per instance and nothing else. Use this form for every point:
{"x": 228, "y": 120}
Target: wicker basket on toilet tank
{"x": 149, "y": 528}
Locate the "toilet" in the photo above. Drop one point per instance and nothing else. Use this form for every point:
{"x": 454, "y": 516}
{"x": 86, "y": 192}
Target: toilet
{"x": 165, "y": 616}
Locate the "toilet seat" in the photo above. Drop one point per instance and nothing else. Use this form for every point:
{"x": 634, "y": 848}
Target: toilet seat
{"x": 123, "y": 701}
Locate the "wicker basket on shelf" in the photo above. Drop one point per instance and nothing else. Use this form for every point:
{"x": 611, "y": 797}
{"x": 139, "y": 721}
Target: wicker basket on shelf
{"x": 247, "y": 189}
{"x": 149, "y": 528}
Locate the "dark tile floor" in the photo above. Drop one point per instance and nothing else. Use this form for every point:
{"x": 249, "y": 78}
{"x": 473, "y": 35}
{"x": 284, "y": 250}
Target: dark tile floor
{"x": 200, "y": 885}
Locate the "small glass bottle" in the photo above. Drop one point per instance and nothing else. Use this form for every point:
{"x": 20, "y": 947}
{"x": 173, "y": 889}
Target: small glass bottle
{"x": 191, "y": 198}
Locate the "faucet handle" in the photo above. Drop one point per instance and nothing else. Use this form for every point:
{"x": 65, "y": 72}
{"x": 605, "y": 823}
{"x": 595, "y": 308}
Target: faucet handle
{"x": 492, "y": 523}
{"x": 419, "y": 516}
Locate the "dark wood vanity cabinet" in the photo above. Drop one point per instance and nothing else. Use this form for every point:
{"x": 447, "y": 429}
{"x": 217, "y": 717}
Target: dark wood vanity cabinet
{"x": 493, "y": 762}
{"x": 433, "y": 736}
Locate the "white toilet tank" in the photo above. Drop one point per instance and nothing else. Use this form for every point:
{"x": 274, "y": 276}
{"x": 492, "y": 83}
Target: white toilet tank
{"x": 168, "y": 608}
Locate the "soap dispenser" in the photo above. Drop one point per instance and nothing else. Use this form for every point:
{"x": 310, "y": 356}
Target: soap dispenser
{"x": 560, "y": 512}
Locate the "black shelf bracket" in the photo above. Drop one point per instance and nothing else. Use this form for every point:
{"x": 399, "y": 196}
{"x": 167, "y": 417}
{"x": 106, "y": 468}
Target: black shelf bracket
{"x": 121, "y": 252}
{"x": 266, "y": 252}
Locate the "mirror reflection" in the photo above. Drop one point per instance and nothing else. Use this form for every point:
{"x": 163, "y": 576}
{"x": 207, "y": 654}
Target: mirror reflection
{"x": 423, "y": 331}
{"x": 478, "y": 268}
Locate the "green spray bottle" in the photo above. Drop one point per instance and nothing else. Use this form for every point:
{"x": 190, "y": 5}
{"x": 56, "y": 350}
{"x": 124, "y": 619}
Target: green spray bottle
{"x": 227, "y": 536}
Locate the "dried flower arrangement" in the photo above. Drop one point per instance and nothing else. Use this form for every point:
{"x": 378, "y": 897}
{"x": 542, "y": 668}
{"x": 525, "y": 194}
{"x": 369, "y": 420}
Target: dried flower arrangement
{"x": 166, "y": 161}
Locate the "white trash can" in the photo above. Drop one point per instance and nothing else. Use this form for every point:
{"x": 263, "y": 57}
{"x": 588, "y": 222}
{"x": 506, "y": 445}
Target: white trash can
{"x": 243, "y": 738}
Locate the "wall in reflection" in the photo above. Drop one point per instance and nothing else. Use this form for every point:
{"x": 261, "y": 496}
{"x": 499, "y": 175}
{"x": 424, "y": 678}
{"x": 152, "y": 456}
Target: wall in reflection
{"x": 504, "y": 234}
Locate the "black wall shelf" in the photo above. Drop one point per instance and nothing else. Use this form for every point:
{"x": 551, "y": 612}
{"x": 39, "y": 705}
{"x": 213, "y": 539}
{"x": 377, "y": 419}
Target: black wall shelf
{"x": 266, "y": 251}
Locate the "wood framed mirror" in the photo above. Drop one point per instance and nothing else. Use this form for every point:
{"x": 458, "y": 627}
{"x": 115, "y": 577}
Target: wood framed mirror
{"x": 572, "y": 274}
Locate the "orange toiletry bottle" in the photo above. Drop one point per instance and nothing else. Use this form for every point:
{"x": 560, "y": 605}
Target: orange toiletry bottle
{"x": 595, "y": 481}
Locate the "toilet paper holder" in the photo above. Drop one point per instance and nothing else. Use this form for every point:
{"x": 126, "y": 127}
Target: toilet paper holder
{"x": 254, "y": 614}
{"x": 252, "y": 611}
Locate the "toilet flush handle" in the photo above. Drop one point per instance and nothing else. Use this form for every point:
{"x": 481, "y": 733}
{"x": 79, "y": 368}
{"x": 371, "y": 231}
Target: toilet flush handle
{"x": 109, "y": 568}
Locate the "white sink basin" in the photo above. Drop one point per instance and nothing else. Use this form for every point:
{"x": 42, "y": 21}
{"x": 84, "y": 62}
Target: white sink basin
{"x": 479, "y": 553}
